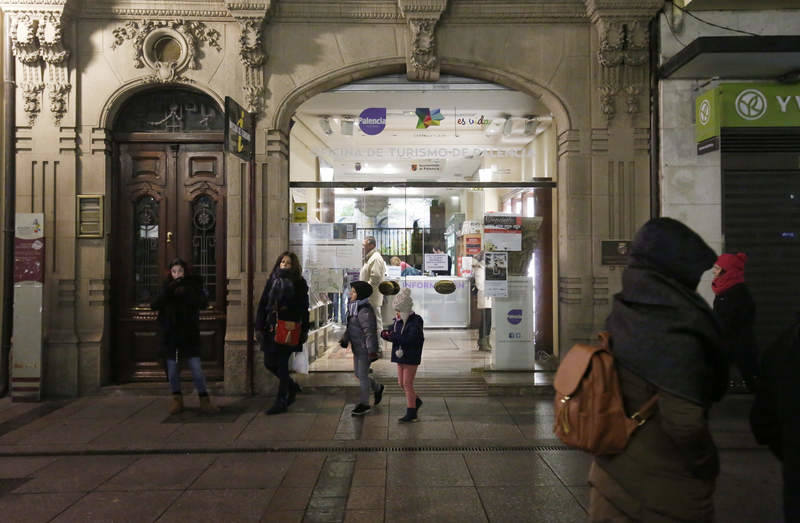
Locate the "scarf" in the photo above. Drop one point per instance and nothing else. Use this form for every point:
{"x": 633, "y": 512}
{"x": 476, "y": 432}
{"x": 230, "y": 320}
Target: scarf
{"x": 282, "y": 289}
{"x": 732, "y": 272}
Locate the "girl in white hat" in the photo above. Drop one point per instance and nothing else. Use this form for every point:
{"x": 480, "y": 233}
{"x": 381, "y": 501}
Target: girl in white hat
{"x": 407, "y": 339}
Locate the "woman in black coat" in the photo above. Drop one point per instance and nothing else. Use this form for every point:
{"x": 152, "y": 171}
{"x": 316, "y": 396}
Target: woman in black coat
{"x": 285, "y": 297}
{"x": 735, "y": 310}
{"x": 179, "y": 303}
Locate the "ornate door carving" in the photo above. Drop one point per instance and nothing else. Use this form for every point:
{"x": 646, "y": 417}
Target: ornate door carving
{"x": 170, "y": 201}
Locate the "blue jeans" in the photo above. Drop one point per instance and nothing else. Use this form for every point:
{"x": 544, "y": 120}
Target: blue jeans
{"x": 174, "y": 376}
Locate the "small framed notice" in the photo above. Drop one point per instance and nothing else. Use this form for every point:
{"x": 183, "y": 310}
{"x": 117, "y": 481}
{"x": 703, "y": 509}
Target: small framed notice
{"x": 89, "y": 216}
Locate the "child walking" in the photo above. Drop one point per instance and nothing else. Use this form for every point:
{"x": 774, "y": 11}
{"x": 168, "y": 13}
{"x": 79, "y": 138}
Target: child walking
{"x": 178, "y": 305}
{"x": 407, "y": 339}
{"x": 362, "y": 334}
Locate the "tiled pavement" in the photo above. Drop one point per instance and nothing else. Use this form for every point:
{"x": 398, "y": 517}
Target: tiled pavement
{"x": 121, "y": 458}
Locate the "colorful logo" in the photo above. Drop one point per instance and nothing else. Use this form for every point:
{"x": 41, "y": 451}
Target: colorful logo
{"x": 426, "y": 117}
{"x": 515, "y": 316}
{"x": 372, "y": 120}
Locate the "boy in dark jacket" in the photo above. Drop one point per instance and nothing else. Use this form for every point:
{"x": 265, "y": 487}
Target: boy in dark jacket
{"x": 178, "y": 305}
{"x": 362, "y": 335}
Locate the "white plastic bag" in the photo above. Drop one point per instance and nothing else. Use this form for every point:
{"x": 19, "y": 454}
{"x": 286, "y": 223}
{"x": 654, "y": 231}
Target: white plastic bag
{"x": 300, "y": 362}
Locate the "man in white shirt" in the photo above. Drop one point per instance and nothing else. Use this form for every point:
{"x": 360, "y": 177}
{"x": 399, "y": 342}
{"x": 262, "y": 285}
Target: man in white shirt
{"x": 374, "y": 272}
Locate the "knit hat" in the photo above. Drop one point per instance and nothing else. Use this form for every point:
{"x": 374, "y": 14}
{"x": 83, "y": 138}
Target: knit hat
{"x": 732, "y": 272}
{"x": 363, "y": 289}
{"x": 403, "y": 302}
{"x": 732, "y": 262}
{"x": 673, "y": 249}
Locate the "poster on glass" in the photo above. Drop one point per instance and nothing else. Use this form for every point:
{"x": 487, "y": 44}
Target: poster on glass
{"x": 496, "y": 274}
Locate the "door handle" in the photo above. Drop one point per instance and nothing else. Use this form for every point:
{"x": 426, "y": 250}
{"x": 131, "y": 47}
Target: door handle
{"x": 169, "y": 237}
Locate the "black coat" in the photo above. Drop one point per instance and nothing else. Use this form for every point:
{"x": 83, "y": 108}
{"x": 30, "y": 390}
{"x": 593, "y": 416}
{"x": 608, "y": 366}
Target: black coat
{"x": 409, "y": 339}
{"x": 178, "y": 306}
{"x": 775, "y": 417}
{"x": 736, "y": 312}
{"x": 295, "y": 310}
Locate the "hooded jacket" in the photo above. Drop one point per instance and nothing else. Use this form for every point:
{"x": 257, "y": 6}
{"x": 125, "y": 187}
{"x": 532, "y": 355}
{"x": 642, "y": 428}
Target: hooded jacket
{"x": 665, "y": 340}
{"x": 362, "y": 328}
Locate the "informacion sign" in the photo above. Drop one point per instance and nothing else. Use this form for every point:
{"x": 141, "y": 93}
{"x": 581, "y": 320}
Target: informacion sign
{"x": 239, "y": 129}
{"x": 496, "y": 270}
{"x": 502, "y": 232}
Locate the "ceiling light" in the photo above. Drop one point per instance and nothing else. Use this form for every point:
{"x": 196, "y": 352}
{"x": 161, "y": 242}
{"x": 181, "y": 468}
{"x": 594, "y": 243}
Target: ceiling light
{"x": 325, "y": 125}
{"x": 326, "y": 174}
{"x": 485, "y": 174}
{"x": 347, "y": 126}
{"x": 508, "y": 126}
{"x": 530, "y": 126}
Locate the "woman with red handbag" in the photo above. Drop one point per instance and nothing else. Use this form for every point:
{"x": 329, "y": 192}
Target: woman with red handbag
{"x": 282, "y": 324}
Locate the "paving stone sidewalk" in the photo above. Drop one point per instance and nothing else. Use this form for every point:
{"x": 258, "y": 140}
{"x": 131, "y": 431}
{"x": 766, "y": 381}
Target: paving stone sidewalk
{"x": 120, "y": 457}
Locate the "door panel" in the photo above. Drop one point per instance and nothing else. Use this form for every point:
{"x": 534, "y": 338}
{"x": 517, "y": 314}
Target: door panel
{"x": 170, "y": 201}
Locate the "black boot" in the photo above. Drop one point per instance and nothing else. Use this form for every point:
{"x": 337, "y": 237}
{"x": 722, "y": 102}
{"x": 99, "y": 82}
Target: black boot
{"x": 294, "y": 388}
{"x": 280, "y": 406}
{"x": 419, "y": 402}
{"x": 410, "y": 417}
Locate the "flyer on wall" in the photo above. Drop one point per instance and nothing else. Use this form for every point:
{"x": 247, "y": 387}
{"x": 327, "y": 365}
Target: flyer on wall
{"x": 496, "y": 283}
{"x": 502, "y": 232}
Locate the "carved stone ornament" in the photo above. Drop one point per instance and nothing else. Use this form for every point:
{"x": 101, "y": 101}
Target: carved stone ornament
{"x": 146, "y": 35}
{"x": 422, "y": 61}
{"x": 37, "y": 42}
{"x": 623, "y": 52}
{"x": 423, "y": 53}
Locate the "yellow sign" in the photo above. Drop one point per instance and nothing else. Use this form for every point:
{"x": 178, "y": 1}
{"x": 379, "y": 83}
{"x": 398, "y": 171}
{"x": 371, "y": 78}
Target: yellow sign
{"x": 300, "y": 213}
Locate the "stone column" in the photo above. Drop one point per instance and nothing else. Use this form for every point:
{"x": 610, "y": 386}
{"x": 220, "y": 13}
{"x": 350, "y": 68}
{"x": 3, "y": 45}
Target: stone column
{"x": 620, "y": 161}
{"x": 251, "y": 17}
{"x": 46, "y": 166}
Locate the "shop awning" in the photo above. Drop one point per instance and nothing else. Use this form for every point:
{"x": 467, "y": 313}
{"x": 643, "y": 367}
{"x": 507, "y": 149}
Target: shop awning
{"x": 736, "y": 57}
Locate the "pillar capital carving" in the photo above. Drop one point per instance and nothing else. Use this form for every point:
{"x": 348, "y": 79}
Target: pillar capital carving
{"x": 251, "y": 17}
{"x": 623, "y": 51}
{"x": 37, "y": 42}
{"x": 422, "y": 61}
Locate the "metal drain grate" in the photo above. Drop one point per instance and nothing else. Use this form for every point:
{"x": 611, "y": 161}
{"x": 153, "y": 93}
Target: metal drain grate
{"x": 290, "y": 450}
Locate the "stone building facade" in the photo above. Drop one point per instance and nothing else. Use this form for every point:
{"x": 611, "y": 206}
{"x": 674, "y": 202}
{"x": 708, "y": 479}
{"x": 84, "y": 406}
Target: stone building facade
{"x": 79, "y": 62}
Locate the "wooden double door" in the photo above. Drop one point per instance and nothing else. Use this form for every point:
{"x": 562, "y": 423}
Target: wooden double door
{"x": 170, "y": 201}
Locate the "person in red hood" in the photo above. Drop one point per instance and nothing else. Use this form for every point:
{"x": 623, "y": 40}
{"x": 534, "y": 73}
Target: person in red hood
{"x": 736, "y": 312}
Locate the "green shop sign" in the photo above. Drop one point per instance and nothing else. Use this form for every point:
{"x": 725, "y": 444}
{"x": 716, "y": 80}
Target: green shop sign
{"x": 744, "y": 105}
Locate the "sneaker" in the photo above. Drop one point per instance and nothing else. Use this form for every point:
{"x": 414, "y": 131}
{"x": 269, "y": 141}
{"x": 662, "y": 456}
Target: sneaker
{"x": 360, "y": 410}
{"x": 379, "y": 394}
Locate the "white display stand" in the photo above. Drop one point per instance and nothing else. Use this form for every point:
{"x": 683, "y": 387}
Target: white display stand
{"x": 447, "y": 311}
{"x": 512, "y": 327}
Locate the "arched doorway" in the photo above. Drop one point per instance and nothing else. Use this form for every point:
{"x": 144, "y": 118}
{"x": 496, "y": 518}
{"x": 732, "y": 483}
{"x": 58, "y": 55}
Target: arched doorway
{"x": 169, "y": 201}
{"x": 419, "y": 181}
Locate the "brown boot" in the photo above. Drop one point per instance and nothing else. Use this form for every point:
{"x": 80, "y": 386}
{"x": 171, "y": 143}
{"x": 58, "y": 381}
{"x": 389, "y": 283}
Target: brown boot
{"x": 177, "y": 404}
{"x": 206, "y": 406}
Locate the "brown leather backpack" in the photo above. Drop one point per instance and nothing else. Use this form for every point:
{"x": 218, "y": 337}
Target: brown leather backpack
{"x": 590, "y": 414}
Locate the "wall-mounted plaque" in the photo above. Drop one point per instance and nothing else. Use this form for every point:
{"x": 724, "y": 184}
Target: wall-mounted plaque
{"x": 90, "y": 216}
{"x": 614, "y": 252}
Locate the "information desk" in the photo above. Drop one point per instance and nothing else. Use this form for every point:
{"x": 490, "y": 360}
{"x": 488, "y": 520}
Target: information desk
{"x": 439, "y": 310}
